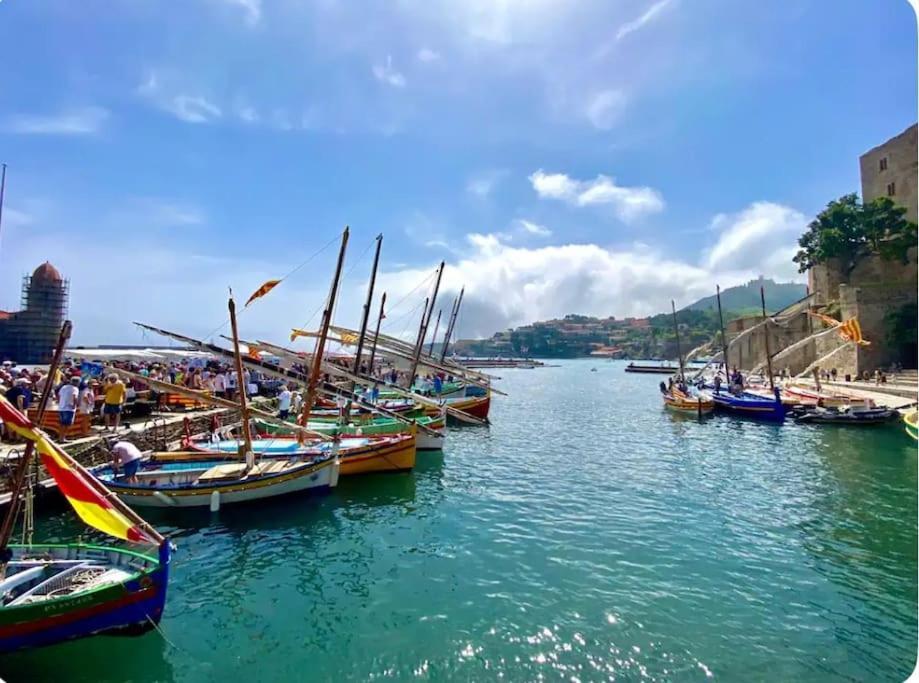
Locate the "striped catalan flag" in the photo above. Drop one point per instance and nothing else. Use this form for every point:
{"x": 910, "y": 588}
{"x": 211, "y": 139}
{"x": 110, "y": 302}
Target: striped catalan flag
{"x": 851, "y": 330}
{"x": 87, "y": 501}
{"x": 262, "y": 291}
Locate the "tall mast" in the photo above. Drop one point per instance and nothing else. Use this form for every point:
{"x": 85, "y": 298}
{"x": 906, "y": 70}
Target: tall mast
{"x": 434, "y": 336}
{"x": 2, "y": 192}
{"x": 418, "y": 342}
{"x": 376, "y": 334}
{"x": 425, "y": 322}
{"x": 676, "y": 329}
{"x": 724, "y": 340}
{"x": 355, "y": 370}
{"x": 762, "y": 299}
{"x": 19, "y": 477}
{"x": 453, "y": 316}
{"x": 323, "y": 333}
{"x": 243, "y": 407}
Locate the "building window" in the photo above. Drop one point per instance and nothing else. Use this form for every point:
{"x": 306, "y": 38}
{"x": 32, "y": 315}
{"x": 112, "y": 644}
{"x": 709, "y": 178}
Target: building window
{"x": 891, "y": 189}
{"x": 882, "y": 164}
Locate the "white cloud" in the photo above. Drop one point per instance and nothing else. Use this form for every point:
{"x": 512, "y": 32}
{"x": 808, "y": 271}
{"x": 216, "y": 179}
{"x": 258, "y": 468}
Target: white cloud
{"x": 511, "y": 285}
{"x": 605, "y": 107}
{"x": 248, "y": 114}
{"x": 76, "y": 121}
{"x": 193, "y": 109}
{"x": 427, "y": 55}
{"x": 653, "y": 12}
{"x": 628, "y": 203}
{"x": 385, "y": 73}
{"x": 534, "y": 228}
{"x": 761, "y": 236}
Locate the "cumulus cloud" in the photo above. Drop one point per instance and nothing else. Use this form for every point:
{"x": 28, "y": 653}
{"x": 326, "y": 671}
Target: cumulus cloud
{"x": 649, "y": 15}
{"x": 762, "y": 235}
{"x": 74, "y": 121}
{"x": 510, "y": 285}
{"x": 386, "y": 73}
{"x": 628, "y": 203}
{"x": 604, "y": 108}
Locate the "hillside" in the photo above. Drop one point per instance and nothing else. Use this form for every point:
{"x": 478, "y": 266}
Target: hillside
{"x": 745, "y": 297}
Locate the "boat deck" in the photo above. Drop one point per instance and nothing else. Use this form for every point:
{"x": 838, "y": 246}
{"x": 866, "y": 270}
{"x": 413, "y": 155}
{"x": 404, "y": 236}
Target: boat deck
{"x": 898, "y": 398}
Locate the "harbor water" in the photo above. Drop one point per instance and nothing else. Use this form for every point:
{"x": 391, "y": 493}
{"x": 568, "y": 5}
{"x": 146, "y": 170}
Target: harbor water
{"x": 585, "y": 535}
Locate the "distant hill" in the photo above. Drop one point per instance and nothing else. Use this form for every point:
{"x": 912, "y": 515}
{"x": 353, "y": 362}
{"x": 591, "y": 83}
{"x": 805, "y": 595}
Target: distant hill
{"x": 746, "y": 297}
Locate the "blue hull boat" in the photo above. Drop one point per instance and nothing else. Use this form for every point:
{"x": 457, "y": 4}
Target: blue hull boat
{"x": 750, "y": 405}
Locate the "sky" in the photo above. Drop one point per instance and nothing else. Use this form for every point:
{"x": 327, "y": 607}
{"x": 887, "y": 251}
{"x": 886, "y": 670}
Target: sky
{"x": 561, "y": 156}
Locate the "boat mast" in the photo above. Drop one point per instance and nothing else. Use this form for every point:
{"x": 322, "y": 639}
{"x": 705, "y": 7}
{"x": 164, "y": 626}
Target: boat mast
{"x": 19, "y": 477}
{"x": 724, "y": 340}
{"x": 355, "y": 370}
{"x": 762, "y": 299}
{"x": 323, "y": 333}
{"x": 2, "y": 193}
{"x": 434, "y": 336}
{"x": 243, "y": 407}
{"x": 425, "y": 322}
{"x": 418, "y": 344}
{"x": 449, "y": 334}
{"x": 676, "y": 329}
{"x": 376, "y": 334}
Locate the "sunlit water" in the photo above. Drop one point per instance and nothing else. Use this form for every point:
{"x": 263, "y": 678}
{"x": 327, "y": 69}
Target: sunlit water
{"x": 586, "y": 535}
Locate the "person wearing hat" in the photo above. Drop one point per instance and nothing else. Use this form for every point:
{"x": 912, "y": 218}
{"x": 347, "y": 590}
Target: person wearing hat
{"x": 67, "y": 404}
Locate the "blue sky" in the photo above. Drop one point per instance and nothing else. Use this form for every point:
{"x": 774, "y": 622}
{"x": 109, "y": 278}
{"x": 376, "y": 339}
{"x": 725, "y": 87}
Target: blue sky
{"x": 561, "y": 156}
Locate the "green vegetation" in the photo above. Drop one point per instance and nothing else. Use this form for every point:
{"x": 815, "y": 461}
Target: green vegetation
{"x": 901, "y": 324}
{"x": 745, "y": 298}
{"x": 847, "y": 228}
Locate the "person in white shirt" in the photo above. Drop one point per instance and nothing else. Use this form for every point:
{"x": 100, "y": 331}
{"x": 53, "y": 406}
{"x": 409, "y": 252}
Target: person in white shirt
{"x": 87, "y": 399}
{"x": 67, "y": 404}
{"x": 220, "y": 384}
{"x": 247, "y": 383}
{"x": 232, "y": 384}
{"x": 297, "y": 402}
{"x": 284, "y": 400}
{"x": 126, "y": 455}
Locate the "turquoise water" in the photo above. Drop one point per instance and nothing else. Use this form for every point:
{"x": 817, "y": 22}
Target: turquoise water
{"x": 586, "y": 535}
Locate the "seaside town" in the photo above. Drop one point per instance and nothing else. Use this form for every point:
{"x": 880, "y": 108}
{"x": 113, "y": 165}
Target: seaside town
{"x": 714, "y": 478}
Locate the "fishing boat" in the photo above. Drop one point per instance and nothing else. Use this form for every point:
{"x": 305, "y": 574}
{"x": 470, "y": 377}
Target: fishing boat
{"x": 911, "y": 423}
{"x": 357, "y": 455}
{"x": 373, "y": 426}
{"x": 54, "y": 592}
{"x": 750, "y": 405}
{"x": 476, "y": 406}
{"x": 200, "y": 479}
{"x": 681, "y": 402}
{"x": 828, "y": 399}
{"x": 849, "y": 416}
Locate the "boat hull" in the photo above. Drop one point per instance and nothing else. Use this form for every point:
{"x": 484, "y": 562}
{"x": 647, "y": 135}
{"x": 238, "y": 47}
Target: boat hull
{"x": 749, "y": 405}
{"x": 688, "y": 405}
{"x": 911, "y": 423}
{"x": 477, "y": 406}
{"x": 425, "y": 441}
{"x": 130, "y": 607}
{"x": 312, "y": 477}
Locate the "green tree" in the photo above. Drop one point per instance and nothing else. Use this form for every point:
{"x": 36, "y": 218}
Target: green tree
{"x": 847, "y": 227}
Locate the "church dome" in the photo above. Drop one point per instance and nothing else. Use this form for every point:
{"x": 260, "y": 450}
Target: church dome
{"x": 47, "y": 272}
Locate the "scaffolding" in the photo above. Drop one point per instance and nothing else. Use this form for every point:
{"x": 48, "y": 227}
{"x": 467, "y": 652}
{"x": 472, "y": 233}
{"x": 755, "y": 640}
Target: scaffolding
{"x": 28, "y": 336}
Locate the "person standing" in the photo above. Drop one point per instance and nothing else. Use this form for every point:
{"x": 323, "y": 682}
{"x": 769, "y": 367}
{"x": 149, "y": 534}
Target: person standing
{"x": 220, "y": 384}
{"x": 86, "y": 403}
{"x": 67, "y": 397}
{"x": 115, "y": 394}
{"x": 284, "y": 399}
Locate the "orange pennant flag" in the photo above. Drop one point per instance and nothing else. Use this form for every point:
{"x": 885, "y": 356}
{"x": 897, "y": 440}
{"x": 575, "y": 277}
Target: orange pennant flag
{"x": 262, "y": 291}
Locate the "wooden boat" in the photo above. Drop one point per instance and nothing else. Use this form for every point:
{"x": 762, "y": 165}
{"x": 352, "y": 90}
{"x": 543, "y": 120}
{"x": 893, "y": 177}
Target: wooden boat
{"x": 372, "y": 426}
{"x": 202, "y": 480}
{"x": 55, "y": 592}
{"x": 787, "y": 399}
{"x": 750, "y": 405}
{"x": 477, "y": 406}
{"x": 58, "y": 592}
{"x": 358, "y": 455}
{"x": 827, "y": 399}
{"x": 911, "y": 423}
{"x": 849, "y": 416}
{"x": 681, "y": 402}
